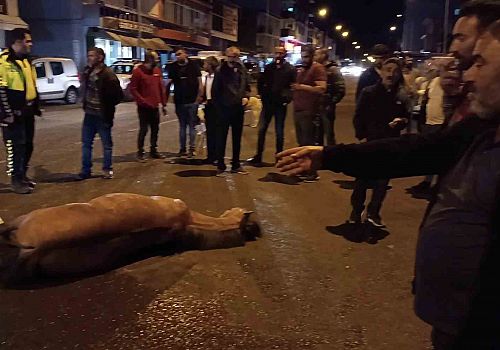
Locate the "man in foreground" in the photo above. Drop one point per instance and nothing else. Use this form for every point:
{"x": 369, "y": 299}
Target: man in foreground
{"x": 457, "y": 259}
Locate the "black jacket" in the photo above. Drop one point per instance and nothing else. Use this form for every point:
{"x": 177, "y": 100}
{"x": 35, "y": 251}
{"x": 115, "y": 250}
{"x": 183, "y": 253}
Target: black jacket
{"x": 335, "y": 87}
{"x": 230, "y": 85}
{"x": 110, "y": 91}
{"x": 437, "y": 153}
{"x": 375, "y": 109}
{"x": 275, "y": 85}
{"x": 368, "y": 78}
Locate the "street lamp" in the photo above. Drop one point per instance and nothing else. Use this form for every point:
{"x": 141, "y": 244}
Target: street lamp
{"x": 393, "y": 28}
{"x": 355, "y": 43}
{"x": 323, "y": 12}
{"x": 399, "y": 15}
{"x": 338, "y": 27}
{"x": 365, "y": 54}
{"x": 345, "y": 34}
{"x": 357, "y": 47}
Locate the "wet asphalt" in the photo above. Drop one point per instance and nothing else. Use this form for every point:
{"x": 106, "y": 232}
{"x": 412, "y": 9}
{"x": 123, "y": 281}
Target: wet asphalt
{"x": 311, "y": 281}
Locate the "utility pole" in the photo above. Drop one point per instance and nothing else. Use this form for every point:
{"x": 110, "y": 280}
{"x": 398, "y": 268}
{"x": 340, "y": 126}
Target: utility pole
{"x": 139, "y": 31}
{"x": 446, "y": 24}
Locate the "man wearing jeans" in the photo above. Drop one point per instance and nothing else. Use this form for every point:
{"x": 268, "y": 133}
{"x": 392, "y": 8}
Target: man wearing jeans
{"x": 146, "y": 85}
{"x": 275, "y": 88}
{"x": 188, "y": 91}
{"x": 101, "y": 93}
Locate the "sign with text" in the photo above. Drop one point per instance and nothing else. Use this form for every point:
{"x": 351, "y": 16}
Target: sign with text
{"x": 123, "y": 24}
{"x": 3, "y": 7}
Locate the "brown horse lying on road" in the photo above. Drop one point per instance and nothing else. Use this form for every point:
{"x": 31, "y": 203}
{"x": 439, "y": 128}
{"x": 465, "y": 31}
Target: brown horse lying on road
{"x": 86, "y": 237}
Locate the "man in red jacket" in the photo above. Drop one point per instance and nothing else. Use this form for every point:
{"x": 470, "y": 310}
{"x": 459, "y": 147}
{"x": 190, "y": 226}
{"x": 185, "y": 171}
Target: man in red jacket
{"x": 148, "y": 90}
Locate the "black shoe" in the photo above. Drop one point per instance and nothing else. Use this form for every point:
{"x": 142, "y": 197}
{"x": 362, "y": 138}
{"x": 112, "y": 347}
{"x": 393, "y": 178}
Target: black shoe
{"x": 21, "y": 187}
{"x": 182, "y": 153}
{"x": 355, "y": 217}
{"x": 255, "y": 160}
{"x": 191, "y": 154}
{"x": 208, "y": 161}
{"x": 141, "y": 157}
{"x": 83, "y": 176}
{"x": 311, "y": 178}
{"x": 375, "y": 221}
{"x": 421, "y": 187}
{"x": 156, "y": 155}
{"x": 29, "y": 182}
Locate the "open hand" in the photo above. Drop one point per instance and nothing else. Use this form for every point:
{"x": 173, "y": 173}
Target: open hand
{"x": 300, "y": 159}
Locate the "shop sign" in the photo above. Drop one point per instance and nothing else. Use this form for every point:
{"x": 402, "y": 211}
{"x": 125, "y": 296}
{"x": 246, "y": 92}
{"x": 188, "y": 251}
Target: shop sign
{"x": 3, "y": 7}
{"x": 123, "y": 24}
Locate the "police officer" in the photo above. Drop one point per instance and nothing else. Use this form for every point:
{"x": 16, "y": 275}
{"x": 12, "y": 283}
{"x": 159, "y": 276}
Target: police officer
{"x": 18, "y": 106}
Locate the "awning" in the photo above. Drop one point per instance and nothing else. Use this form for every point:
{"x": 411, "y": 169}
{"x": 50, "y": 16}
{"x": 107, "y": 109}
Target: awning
{"x": 152, "y": 44}
{"x": 11, "y": 22}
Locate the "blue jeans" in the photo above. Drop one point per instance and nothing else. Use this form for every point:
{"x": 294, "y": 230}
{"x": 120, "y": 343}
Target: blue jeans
{"x": 188, "y": 117}
{"x": 93, "y": 124}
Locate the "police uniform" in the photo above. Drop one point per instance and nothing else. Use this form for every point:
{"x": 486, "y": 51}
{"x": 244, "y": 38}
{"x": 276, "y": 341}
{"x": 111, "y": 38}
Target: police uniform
{"x": 18, "y": 105}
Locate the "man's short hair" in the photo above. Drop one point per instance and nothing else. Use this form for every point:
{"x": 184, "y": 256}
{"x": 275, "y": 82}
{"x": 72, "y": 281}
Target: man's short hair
{"x": 151, "y": 56}
{"x": 212, "y": 61}
{"x": 308, "y": 49}
{"x": 494, "y": 29}
{"x": 233, "y": 49}
{"x": 16, "y": 34}
{"x": 98, "y": 51}
{"x": 381, "y": 50}
{"x": 181, "y": 48}
{"x": 392, "y": 60}
{"x": 487, "y": 11}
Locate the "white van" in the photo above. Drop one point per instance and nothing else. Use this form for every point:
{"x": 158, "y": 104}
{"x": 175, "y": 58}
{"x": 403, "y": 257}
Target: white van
{"x": 57, "y": 79}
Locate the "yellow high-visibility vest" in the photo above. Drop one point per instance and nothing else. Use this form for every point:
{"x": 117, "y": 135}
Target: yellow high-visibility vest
{"x": 18, "y": 77}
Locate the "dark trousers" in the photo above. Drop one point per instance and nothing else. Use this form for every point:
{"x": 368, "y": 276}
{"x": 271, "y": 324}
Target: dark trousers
{"x": 305, "y": 128}
{"x": 18, "y": 139}
{"x": 211, "y": 125}
{"x": 229, "y": 116}
{"x": 148, "y": 118}
{"x": 359, "y": 195}
{"x": 328, "y": 125}
{"x": 92, "y": 125}
{"x": 278, "y": 110}
{"x": 188, "y": 118}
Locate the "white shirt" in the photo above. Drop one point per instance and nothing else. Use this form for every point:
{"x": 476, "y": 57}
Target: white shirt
{"x": 208, "y": 85}
{"x": 435, "y": 113}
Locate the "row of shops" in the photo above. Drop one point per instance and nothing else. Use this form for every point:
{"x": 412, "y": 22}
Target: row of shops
{"x": 67, "y": 28}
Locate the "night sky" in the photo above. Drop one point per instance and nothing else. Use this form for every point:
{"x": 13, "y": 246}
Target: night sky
{"x": 368, "y": 21}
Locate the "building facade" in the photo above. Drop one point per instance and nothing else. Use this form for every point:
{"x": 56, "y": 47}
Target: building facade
{"x": 424, "y": 27}
{"x": 124, "y": 29}
{"x": 9, "y": 18}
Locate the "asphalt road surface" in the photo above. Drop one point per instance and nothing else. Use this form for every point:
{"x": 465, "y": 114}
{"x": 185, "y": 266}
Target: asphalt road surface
{"x": 309, "y": 283}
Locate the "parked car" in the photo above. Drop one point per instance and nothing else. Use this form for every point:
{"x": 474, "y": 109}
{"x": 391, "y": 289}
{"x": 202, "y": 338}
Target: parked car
{"x": 123, "y": 70}
{"x": 57, "y": 79}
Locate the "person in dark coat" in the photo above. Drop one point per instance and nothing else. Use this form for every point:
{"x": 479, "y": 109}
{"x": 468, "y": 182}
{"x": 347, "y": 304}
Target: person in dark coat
{"x": 230, "y": 92}
{"x": 381, "y": 113}
{"x": 210, "y": 66}
{"x": 458, "y": 252}
{"x": 275, "y": 88}
{"x": 371, "y": 76}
